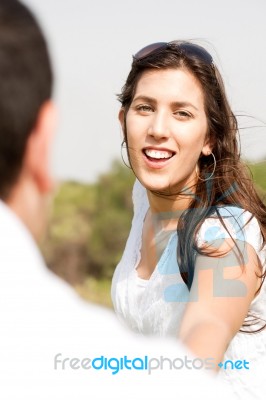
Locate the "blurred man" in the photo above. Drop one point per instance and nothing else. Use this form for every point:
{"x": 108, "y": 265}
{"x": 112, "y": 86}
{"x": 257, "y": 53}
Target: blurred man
{"x": 52, "y": 344}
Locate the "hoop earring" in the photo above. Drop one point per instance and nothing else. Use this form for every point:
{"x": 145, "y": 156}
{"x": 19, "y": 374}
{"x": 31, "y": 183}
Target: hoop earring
{"x": 124, "y": 146}
{"x": 209, "y": 176}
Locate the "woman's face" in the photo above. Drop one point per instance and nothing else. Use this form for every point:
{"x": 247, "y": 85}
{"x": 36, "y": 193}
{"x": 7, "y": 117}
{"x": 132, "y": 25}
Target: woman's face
{"x": 166, "y": 129}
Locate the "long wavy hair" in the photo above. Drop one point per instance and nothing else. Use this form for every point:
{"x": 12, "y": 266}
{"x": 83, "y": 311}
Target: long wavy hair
{"x": 231, "y": 183}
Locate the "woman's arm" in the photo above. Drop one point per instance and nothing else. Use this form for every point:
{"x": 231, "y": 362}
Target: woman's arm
{"x": 220, "y": 297}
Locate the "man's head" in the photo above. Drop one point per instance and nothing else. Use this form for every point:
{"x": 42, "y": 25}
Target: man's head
{"x": 26, "y": 113}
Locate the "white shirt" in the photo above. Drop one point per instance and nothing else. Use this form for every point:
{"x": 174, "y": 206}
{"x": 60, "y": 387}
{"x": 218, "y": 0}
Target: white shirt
{"x": 159, "y": 308}
{"x": 51, "y": 342}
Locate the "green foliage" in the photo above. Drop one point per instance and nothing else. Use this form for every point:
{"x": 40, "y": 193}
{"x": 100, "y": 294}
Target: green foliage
{"x": 89, "y": 226}
{"x": 96, "y": 291}
{"x": 259, "y": 174}
{"x": 111, "y": 222}
{"x": 74, "y": 204}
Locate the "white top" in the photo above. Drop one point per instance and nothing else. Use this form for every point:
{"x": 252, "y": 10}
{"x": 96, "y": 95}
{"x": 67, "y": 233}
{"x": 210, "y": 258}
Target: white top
{"x": 139, "y": 289}
{"x": 163, "y": 301}
{"x": 41, "y": 317}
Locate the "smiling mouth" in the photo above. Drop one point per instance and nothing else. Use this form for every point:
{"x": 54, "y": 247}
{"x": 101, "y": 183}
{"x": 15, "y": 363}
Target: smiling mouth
{"x": 158, "y": 155}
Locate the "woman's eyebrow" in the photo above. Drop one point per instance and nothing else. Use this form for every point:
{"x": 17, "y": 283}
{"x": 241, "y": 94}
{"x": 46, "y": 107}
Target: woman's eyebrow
{"x": 183, "y": 104}
{"x": 145, "y": 98}
{"x": 152, "y": 100}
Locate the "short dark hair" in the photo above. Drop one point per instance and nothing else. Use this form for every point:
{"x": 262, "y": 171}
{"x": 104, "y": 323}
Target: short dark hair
{"x": 25, "y": 84}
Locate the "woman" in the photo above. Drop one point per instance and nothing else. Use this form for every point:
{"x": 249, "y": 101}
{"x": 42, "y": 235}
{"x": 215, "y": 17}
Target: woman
{"x": 194, "y": 262}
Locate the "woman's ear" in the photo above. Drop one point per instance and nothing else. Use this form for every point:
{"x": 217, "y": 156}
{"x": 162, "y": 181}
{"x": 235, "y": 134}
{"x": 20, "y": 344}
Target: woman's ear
{"x": 121, "y": 117}
{"x": 206, "y": 150}
{"x": 208, "y": 146}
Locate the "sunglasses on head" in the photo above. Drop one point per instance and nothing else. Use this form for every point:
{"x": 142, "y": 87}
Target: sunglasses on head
{"x": 187, "y": 48}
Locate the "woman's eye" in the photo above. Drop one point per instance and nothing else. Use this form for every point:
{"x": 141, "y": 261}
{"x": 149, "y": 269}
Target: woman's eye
{"x": 183, "y": 114}
{"x": 144, "y": 108}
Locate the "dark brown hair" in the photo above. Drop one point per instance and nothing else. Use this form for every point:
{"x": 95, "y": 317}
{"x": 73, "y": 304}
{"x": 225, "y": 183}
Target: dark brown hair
{"x": 231, "y": 183}
{"x": 25, "y": 84}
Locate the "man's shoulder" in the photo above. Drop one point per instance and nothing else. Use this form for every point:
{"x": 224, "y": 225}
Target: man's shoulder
{"x": 33, "y": 295}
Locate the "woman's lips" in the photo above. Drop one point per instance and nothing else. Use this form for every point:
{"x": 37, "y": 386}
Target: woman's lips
{"x": 157, "y": 158}
{"x": 158, "y": 154}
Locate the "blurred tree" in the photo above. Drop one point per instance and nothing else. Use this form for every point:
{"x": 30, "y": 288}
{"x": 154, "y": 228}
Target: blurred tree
{"x": 259, "y": 174}
{"x": 89, "y": 226}
{"x": 65, "y": 245}
{"x": 112, "y": 220}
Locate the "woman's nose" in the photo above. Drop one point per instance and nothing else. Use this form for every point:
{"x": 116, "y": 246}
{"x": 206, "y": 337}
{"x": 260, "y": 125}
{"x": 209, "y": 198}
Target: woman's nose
{"x": 159, "y": 127}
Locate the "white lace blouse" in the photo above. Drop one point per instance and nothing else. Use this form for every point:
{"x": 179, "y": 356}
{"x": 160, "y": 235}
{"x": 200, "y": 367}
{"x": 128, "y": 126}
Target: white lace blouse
{"x": 156, "y": 306}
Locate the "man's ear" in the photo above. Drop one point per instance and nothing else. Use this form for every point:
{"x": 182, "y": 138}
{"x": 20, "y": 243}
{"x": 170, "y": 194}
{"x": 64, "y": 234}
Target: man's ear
{"x": 121, "y": 117}
{"x": 39, "y": 147}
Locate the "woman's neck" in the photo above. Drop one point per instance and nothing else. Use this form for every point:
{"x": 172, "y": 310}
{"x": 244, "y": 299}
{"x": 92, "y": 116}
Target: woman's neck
{"x": 160, "y": 203}
{"x": 180, "y": 199}
{"x": 167, "y": 209}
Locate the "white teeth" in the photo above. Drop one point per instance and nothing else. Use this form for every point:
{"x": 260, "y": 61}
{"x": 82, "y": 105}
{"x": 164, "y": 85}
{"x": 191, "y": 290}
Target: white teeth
{"x": 158, "y": 154}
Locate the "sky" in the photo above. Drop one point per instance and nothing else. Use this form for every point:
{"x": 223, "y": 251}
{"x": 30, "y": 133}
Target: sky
{"x": 91, "y": 44}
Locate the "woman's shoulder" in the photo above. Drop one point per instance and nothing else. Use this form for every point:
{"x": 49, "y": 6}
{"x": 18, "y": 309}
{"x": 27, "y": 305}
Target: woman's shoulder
{"x": 230, "y": 221}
